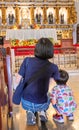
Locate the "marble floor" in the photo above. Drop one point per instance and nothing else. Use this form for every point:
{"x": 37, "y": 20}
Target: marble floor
{"x": 18, "y": 121}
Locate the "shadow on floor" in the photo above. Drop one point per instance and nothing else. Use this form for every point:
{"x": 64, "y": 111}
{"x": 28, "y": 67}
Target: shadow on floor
{"x": 57, "y": 126}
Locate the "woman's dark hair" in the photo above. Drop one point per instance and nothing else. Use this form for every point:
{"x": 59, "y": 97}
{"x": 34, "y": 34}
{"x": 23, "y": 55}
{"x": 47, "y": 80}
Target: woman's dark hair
{"x": 44, "y": 48}
{"x": 63, "y": 77}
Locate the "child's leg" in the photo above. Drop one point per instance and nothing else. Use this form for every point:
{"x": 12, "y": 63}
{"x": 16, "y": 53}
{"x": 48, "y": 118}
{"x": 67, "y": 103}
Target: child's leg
{"x": 70, "y": 117}
{"x": 58, "y": 117}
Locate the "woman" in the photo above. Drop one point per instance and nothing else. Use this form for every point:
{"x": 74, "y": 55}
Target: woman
{"x": 34, "y": 98}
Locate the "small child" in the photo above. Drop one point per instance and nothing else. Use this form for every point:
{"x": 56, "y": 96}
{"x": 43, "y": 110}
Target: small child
{"x": 62, "y": 99}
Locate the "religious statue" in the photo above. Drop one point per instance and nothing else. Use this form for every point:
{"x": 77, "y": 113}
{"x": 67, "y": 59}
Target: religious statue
{"x": 50, "y": 18}
{"x": 38, "y": 18}
{"x": 11, "y": 18}
{"x": 62, "y": 18}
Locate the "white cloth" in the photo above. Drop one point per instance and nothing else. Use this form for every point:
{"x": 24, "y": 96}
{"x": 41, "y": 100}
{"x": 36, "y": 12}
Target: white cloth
{"x": 23, "y": 34}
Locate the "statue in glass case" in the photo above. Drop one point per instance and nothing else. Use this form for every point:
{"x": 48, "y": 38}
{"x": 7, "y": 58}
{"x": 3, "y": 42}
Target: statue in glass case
{"x": 50, "y": 18}
{"x": 62, "y": 18}
{"x": 11, "y": 18}
{"x": 38, "y": 18}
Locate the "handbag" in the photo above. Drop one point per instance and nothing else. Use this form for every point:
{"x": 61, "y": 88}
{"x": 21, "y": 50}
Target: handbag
{"x": 22, "y": 85}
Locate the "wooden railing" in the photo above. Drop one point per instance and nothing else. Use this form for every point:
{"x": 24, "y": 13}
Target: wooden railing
{"x": 6, "y": 65}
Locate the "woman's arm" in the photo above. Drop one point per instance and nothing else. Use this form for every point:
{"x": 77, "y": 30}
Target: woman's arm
{"x": 18, "y": 78}
{"x": 53, "y": 96}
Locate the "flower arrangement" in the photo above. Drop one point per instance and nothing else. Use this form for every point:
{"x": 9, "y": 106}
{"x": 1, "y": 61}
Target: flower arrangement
{"x": 29, "y": 42}
{"x": 17, "y": 42}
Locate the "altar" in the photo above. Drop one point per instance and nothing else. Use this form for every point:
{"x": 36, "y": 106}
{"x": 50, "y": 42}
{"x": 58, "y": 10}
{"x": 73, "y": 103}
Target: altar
{"x": 23, "y": 34}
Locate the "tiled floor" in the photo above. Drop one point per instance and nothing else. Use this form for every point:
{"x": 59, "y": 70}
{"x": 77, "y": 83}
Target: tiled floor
{"x": 18, "y": 122}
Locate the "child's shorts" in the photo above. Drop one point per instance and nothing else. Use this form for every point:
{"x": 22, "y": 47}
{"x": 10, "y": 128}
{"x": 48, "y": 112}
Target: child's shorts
{"x": 29, "y": 106}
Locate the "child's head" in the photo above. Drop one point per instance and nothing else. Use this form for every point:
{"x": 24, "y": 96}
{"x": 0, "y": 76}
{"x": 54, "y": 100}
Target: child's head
{"x": 44, "y": 49}
{"x": 63, "y": 77}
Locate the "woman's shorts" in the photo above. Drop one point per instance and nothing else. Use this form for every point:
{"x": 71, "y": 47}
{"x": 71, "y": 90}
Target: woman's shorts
{"x": 29, "y": 106}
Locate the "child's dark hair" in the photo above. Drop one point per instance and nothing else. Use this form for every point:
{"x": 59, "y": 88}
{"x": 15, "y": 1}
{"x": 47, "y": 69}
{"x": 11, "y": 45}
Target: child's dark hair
{"x": 44, "y": 49}
{"x": 63, "y": 77}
